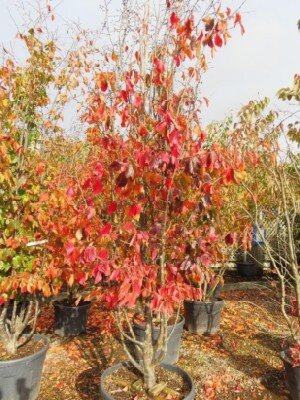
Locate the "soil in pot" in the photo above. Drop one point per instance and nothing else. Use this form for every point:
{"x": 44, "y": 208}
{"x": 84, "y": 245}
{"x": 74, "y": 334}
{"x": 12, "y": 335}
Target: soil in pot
{"x": 20, "y": 378}
{"x": 173, "y": 347}
{"x": 246, "y": 269}
{"x": 203, "y": 317}
{"x": 293, "y": 375}
{"x": 126, "y": 383}
{"x": 32, "y": 347}
{"x": 70, "y": 319}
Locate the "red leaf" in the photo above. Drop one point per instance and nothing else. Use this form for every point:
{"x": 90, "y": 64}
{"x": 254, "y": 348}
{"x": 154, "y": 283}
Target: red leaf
{"x": 230, "y": 175}
{"x": 173, "y": 137}
{"x": 174, "y": 19}
{"x": 97, "y": 185}
{"x": 238, "y": 20}
{"x": 138, "y": 101}
{"x": 230, "y": 238}
{"x": 168, "y": 182}
{"x": 104, "y": 86}
{"x": 69, "y": 248}
{"x": 98, "y": 169}
{"x": 129, "y": 85}
{"x": 90, "y": 254}
{"x": 205, "y": 260}
{"x": 228, "y": 11}
{"x": 142, "y": 130}
{"x": 124, "y": 117}
{"x": 134, "y": 210}
{"x": 161, "y": 127}
{"x": 81, "y": 278}
{"x": 124, "y": 95}
{"x": 159, "y": 65}
{"x": 91, "y": 212}
{"x": 218, "y": 40}
{"x": 122, "y": 179}
{"x": 103, "y": 254}
{"x": 177, "y": 61}
{"x": 106, "y": 230}
{"x": 71, "y": 192}
{"x": 98, "y": 277}
{"x": 112, "y": 208}
{"x": 86, "y": 184}
{"x": 208, "y": 41}
{"x": 40, "y": 169}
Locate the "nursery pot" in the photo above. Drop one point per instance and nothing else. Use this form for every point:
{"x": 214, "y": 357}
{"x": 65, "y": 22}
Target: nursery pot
{"x": 173, "y": 346}
{"x": 70, "y": 320}
{"x": 203, "y": 317}
{"x": 109, "y": 371}
{"x": 21, "y": 378}
{"x": 246, "y": 269}
{"x": 293, "y": 375}
{"x": 217, "y": 290}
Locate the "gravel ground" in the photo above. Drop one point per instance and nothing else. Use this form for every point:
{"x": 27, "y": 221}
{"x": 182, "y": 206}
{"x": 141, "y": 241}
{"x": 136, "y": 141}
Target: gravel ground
{"x": 241, "y": 362}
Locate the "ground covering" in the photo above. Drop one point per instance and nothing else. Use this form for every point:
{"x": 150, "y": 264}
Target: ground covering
{"x": 241, "y": 362}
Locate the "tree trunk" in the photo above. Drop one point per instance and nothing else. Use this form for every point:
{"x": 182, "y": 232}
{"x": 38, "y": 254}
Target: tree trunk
{"x": 11, "y": 346}
{"x": 148, "y": 351}
{"x": 149, "y": 376}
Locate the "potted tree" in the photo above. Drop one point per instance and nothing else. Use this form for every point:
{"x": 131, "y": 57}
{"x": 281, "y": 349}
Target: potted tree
{"x": 280, "y": 170}
{"x": 250, "y": 262}
{"x": 152, "y": 180}
{"x": 285, "y": 183}
{"x": 202, "y": 311}
{"x": 68, "y": 227}
{"x": 22, "y": 281}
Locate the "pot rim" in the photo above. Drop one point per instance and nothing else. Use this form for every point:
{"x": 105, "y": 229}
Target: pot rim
{"x": 36, "y": 336}
{"x": 249, "y": 263}
{"x": 58, "y": 303}
{"x": 179, "y": 323}
{"x": 217, "y": 300}
{"x": 174, "y": 368}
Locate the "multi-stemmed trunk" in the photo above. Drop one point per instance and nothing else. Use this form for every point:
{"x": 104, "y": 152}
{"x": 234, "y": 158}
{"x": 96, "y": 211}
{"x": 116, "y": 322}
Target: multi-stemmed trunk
{"x": 150, "y": 351}
{"x": 282, "y": 249}
{"x": 14, "y": 322}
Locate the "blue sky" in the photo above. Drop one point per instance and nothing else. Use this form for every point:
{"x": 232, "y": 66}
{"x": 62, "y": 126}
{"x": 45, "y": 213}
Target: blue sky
{"x": 249, "y": 67}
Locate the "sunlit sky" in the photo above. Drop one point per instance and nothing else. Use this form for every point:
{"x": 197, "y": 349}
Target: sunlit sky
{"x": 251, "y": 66}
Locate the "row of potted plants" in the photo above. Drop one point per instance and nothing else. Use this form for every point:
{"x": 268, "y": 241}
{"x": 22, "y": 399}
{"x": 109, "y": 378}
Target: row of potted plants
{"x": 141, "y": 215}
{"x": 134, "y": 219}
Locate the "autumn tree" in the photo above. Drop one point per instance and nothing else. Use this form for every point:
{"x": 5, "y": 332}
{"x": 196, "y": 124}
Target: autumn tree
{"x": 283, "y": 185}
{"x": 153, "y": 184}
{"x": 33, "y": 94}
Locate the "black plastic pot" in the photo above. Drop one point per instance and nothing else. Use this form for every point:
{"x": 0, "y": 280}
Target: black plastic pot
{"x": 172, "y": 354}
{"x": 106, "y": 396}
{"x": 247, "y": 269}
{"x": 20, "y": 379}
{"x": 293, "y": 375}
{"x": 203, "y": 317}
{"x": 70, "y": 320}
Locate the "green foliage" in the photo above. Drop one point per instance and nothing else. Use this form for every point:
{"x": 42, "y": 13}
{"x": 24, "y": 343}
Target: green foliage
{"x": 292, "y": 94}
